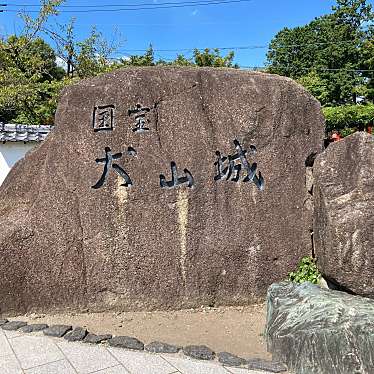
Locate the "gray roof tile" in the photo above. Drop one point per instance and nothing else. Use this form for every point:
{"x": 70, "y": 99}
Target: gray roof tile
{"x": 23, "y": 133}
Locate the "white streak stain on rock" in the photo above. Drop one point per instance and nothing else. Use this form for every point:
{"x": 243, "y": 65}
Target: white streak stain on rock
{"x": 253, "y": 195}
{"x": 358, "y": 255}
{"x": 122, "y": 195}
{"x": 182, "y": 204}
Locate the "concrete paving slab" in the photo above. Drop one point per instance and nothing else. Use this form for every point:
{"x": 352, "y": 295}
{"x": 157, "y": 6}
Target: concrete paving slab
{"x": 187, "y": 366}
{"x": 10, "y": 365}
{"x": 87, "y": 359}
{"x": 12, "y": 334}
{"x": 5, "y": 349}
{"x": 142, "y": 363}
{"x": 34, "y": 351}
{"x": 114, "y": 370}
{"x": 246, "y": 371}
{"x": 58, "y": 367}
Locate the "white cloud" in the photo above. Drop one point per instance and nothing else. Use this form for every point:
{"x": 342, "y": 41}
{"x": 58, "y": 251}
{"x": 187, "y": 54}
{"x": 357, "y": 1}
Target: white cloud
{"x": 61, "y": 63}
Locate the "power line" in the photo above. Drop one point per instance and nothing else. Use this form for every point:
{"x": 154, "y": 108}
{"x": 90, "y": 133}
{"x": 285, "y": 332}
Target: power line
{"x": 311, "y": 68}
{"x": 116, "y": 5}
{"x": 233, "y": 48}
{"x": 154, "y": 6}
{"x": 283, "y": 67}
{"x": 165, "y": 25}
{"x": 279, "y": 66}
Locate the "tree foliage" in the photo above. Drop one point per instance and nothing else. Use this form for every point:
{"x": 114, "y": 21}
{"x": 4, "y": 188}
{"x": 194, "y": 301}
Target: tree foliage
{"x": 83, "y": 58}
{"x": 29, "y": 81}
{"x": 349, "y": 116}
{"x": 325, "y": 54}
{"x": 213, "y": 58}
{"x": 206, "y": 57}
{"x": 316, "y": 85}
{"x": 148, "y": 59}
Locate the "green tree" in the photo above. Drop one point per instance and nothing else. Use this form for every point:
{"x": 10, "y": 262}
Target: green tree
{"x": 84, "y": 58}
{"x": 29, "y": 80}
{"x": 368, "y": 64}
{"x": 182, "y": 61}
{"x": 317, "y": 86}
{"x": 92, "y": 56}
{"x": 33, "y": 26}
{"x": 332, "y": 47}
{"x": 213, "y": 58}
{"x": 206, "y": 57}
{"x": 148, "y": 59}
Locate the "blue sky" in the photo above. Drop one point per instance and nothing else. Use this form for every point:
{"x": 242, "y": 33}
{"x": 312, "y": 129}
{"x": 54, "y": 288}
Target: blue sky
{"x": 251, "y": 23}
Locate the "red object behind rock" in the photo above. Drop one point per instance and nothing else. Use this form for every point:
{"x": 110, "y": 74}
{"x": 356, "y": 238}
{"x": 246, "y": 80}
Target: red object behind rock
{"x": 336, "y": 137}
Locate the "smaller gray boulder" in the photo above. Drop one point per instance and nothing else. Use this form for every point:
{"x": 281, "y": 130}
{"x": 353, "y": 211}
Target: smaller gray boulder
{"x": 159, "y": 347}
{"x": 229, "y": 359}
{"x": 200, "y": 352}
{"x": 57, "y": 331}
{"x": 33, "y": 328}
{"x": 344, "y": 213}
{"x": 76, "y": 335}
{"x": 126, "y": 342}
{"x": 13, "y": 325}
{"x": 96, "y": 339}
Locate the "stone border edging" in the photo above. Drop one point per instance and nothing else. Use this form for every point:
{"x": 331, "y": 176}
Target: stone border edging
{"x": 199, "y": 352}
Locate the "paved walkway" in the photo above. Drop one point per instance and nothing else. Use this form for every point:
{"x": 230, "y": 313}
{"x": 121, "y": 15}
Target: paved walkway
{"x": 37, "y": 354}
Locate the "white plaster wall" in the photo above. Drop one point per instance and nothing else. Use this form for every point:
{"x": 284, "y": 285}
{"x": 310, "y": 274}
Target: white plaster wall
{"x": 10, "y": 153}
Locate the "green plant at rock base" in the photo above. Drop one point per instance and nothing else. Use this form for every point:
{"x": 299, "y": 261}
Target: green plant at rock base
{"x": 307, "y": 271}
{"x": 347, "y": 131}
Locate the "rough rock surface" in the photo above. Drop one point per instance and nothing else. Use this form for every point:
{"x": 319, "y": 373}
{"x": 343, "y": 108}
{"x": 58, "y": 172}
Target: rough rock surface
{"x": 200, "y": 352}
{"x": 34, "y": 327}
{"x": 76, "y": 335}
{"x": 57, "y": 331}
{"x": 127, "y": 342}
{"x": 96, "y": 339}
{"x": 319, "y": 331}
{"x": 344, "y": 213}
{"x": 13, "y": 325}
{"x": 158, "y": 243}
{"x": 229, "y": 359}
{"x": 160, "y": 347}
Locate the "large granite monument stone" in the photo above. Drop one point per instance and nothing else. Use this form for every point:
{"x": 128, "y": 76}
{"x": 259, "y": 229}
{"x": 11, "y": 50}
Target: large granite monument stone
{"x": 161, "y": 188}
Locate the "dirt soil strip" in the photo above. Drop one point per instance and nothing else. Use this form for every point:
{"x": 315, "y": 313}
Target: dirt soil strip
{"x": 238, "y": 330}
